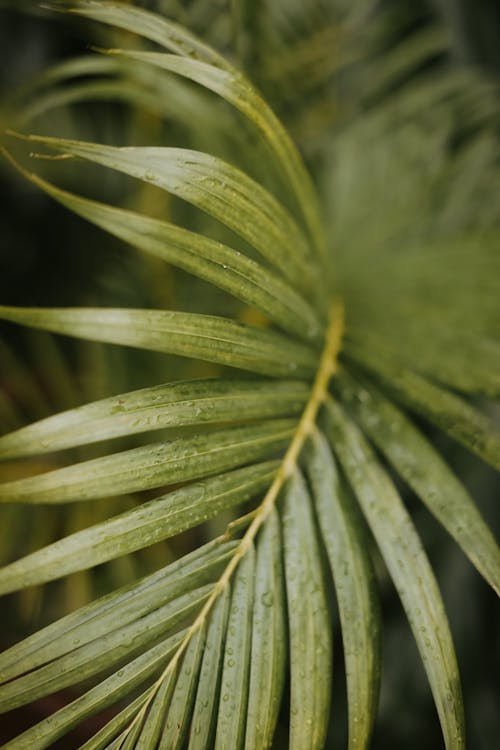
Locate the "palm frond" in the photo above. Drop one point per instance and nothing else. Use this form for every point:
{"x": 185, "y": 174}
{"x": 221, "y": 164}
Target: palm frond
{"x": 201, "y": 653}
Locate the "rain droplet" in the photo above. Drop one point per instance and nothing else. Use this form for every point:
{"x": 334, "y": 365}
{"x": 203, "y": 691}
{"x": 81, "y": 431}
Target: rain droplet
{"x": 267, "y": 599}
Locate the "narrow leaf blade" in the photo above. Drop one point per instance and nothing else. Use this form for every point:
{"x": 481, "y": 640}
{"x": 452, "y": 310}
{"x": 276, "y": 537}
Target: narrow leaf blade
{"x": 151, "y": 721}
{"x": 232, "y": 711}
{"x": 354, "y": 580}
{"x": 309, "y": 622}
{"x": 238, "y": 91}
{"x": 100, "y": 617}
{"x": 409, "y": 568}
{"x": 216, "y": 187}
{"x": 209, "y": 260}
{"x": 181, "y": 704}
{"x": 268, "y": 652}
{"x": 154, "y": 465}
{"x": 208, "y": 337}
{"x": 102, "y": 654}
{"x": 145, "y": 525}
{"x": 449, "y": 412}
{"x": 204, "y": 713}
{"x": 151, "y": 26}
{"x": 108, "y": 692}
{"x": 170, "y": 405}
{"x": 102, "y": 738}
{"x": 427, "y": 474}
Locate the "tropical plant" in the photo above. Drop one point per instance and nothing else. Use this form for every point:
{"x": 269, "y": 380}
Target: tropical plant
{"x": 354, "y": 332}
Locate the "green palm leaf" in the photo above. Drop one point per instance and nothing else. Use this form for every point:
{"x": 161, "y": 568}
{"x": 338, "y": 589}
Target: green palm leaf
{"x": 212, "y": 261}
{"x": 352, "y": 569}
{"x": 409, "y": 568}
{"x": 215, "y": 339}
{"x": 204, "y": 652}
{"x": 170, "y": 405}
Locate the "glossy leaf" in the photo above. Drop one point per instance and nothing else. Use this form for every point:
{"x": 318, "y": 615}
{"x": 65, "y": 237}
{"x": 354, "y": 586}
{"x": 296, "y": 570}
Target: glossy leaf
{"x": 170, "y": 405}
{"x": 149, "y": 721}
{"x": 352, "y": 569}
{"x": 412, "y": 227}
{"x": 426, "y": 473}
{"x": 150, "y": 26}
{"x": 212, "y": 261}
{"x": 449, "y": 412}
{"x": 152, "y": 465}
{"x": 207, "y": 337}
{"x": 224, "y": 192}
{"x": 181, "y": 703}
{"x": 308, "y": 622}
{"x": 108, "y": 692}
{"x": 231, "y": 717}
{"x": 135, "y": 529}
{"x": 408, "y": 566}
{"x": 102, "y": 738}
{"x": 102, "y": 654}
{"x": 268, "y": 652}
{"x": 100, "y": 617}
{"x": 204, "y": 713}
{"x": 230, "y": 84}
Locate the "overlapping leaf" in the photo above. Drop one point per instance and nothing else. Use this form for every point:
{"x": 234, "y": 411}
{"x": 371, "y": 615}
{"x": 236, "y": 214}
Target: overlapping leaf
{"x": 196, "y": 654}
{"x": 208, "y": 337}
